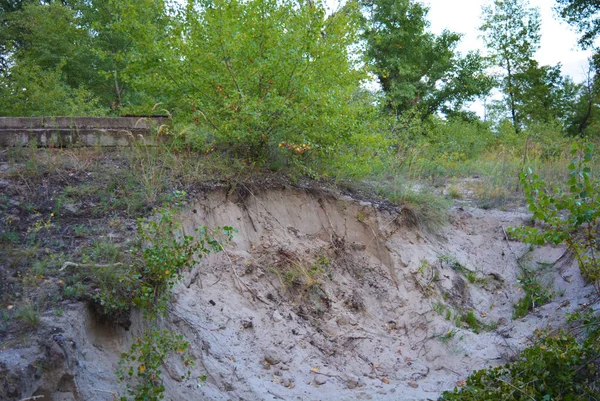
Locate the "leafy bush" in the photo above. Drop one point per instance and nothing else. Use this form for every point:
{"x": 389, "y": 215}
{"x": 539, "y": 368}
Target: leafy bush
{"x": 155, "y": 267}
{"x": 570, "y": 217}
{"x": 260, "y": 78}
{"x": 31, "y": 91}
{"x": 145, "y": 359}
{"x": 460, "y": 140}
{"x": 557, "y": 368}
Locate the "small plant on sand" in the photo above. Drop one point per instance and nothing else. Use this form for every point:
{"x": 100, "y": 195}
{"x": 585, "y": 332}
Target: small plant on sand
{"x": 571, "y": 217}
{"x": 470, "y": 320}
{"x": 29, "y": 315}
{"x": 146, "y": 283}
{"x": 474, "y": 278}
{"x": 447, "y": 336}
{"x": 535, "y": 294}
{"x": 145, "y": 360}
{"x": 155, "y": 267}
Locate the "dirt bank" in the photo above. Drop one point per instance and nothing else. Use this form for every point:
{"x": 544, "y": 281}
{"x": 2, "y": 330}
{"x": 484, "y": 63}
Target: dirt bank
{"x": 320, "y": 297}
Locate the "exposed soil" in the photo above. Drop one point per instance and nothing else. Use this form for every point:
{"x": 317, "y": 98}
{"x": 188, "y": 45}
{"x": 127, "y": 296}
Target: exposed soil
{"x": 320, "y": 296}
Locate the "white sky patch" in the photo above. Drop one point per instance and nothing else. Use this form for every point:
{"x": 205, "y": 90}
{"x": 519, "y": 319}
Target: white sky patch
{"x": 558, "y": 39}
{"x": 558, "y": 44}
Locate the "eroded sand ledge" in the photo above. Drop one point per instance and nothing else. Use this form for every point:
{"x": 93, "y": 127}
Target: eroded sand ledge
{"x": 324, "y": 297}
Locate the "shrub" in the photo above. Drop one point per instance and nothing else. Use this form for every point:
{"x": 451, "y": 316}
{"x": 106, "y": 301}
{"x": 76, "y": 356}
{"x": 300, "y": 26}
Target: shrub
{"x": 145, "y": 360}
{"x": 535, "y": 294}
{"x": 260, "y": 78}
{"x": 557, "y": 368}
{"x": 571, "y": 217}
{"x": 155, "y": 268}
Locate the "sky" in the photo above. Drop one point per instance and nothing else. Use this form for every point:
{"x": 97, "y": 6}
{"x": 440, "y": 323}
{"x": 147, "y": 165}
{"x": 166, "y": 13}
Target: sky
{"x": 558, "y": 44}
{"x": 558, "y": 39}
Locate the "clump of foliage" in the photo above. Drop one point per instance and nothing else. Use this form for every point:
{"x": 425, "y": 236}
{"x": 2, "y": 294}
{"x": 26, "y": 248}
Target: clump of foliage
{"x": 471, "y": 321}
{"x": 558, "y": 367}
{"x": 419, "y": 72}
{"x": 266, "y": 80}
{"x": 535, "y": 294}
{"x": 157, "y": 264}
{"x": 145, "y": 360}
{"x": 571, "y": 217}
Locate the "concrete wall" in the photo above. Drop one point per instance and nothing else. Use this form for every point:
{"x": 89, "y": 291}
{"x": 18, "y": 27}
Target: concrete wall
{"x": 76, "y": 131}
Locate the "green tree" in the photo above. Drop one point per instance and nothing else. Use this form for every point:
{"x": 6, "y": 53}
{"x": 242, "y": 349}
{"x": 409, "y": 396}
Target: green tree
{"x": 416, "y": 68}
{"x": 543, "y": 94}
{"x": 123, "y": 30}
{"x": 91, "y": 44}
{"x": 32, "y": 91}
{"x": 584, "y": 15}
{"x": 259, "y": 78}
{"x": 511, "y": 32}
{"x": 585, "y": 117}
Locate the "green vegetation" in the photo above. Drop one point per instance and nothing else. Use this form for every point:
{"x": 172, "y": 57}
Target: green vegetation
{"x": 419, "y": 72}
{"x": 29, "y": 314}
{"x": 156, "y": 267}
{"x": 279, "y": 85}
{"x": 535, "y": 294}
{"x": 145, "y": 360}
{"x": 559, "y": 366}
{"x": 570, "y": 216}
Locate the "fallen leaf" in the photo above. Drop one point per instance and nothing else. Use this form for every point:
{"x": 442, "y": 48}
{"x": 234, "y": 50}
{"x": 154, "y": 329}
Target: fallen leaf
{"x": 314, "y": 369}
{"x": 385, "y": 380}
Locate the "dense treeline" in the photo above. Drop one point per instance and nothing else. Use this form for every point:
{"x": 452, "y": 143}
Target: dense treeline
{"x": 268, "y": 79}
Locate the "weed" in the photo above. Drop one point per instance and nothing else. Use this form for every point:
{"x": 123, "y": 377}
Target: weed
{"x": 81, "y": 231}
{"x": 29, "y": 315}
{"x": 429, "y": 210}
{"x": 439, "y": 307}
{"x": 75, "y": 291}
{"x": 447, "y": 336}
{"x": 535, "y": 294}
{"x": 455, "y": 193}
{"x": 295, "y": 272}
{"x": 10, "y": 236}
{"x": 474, "y": 278}
{"x": 39, "y": 268}
{"x": 4, "y": 320}
{"x": 145, "y": 361}
{"x": 450, "y": 261}
{"x": 471, "y": 321}
{"x": 105, "y": 252}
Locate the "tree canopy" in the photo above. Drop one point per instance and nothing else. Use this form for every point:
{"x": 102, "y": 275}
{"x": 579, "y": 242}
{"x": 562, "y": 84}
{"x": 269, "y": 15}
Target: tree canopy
{"x": 279, "y": 76}
{"x": 416, "y": 68}
{"x": 584, "y": 15}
